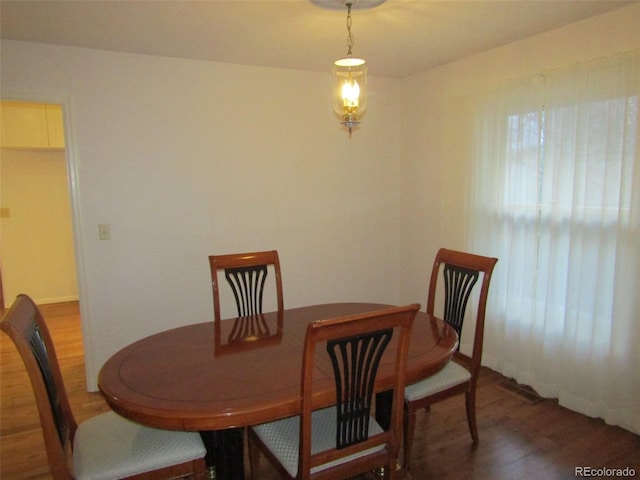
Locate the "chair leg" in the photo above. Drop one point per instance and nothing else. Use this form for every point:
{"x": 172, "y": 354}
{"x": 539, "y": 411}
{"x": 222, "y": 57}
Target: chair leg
{"x": 390, "y": 471}
{"x": 408, "y": 432}
{"x": 470, "y": 397}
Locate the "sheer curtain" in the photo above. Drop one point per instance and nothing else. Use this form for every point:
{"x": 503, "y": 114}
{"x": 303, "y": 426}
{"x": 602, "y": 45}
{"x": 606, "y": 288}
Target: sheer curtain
{"x": 556, "y": 182}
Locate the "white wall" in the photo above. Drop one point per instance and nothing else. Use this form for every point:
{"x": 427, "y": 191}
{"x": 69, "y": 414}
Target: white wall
{"x": 435, "y": 164}
{"x": 186, "y": 158}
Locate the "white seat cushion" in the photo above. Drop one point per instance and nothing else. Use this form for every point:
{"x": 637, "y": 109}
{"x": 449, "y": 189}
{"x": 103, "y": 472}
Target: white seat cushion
{"x": 451, "y": 375}
{"x": 109, "y": 447}
{"x": 282, "y": 439}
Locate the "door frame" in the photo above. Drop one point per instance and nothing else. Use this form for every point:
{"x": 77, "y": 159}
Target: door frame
{"x": 76, "y": 219}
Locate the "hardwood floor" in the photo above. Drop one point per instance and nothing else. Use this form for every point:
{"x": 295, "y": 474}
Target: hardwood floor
{"x": 521, "y": 436}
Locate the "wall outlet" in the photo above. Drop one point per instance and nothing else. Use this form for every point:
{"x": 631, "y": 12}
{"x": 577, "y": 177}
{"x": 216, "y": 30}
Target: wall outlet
{"x": 104, "y": 231}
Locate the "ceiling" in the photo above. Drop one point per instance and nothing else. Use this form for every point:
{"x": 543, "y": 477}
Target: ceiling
{"x": 397, "y": 38}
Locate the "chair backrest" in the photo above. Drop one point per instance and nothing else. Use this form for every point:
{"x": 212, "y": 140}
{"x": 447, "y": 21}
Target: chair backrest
{"x": 246, "y": 274}
{"x": 26, "y": 327}
{"x": 461, "y": 272}
{"x": 356, "y": 345}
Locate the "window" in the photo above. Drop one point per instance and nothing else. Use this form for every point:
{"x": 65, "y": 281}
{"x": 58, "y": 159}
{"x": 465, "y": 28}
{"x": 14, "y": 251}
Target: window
{"x": 565, "y": 178}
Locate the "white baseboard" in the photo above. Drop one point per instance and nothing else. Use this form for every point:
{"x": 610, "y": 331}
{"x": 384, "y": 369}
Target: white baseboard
{"x": 45, "y": 301}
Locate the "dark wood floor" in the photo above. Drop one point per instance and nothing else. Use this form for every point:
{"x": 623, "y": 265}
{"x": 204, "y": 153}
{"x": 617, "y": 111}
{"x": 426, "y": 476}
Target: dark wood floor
{"x": 521, "y": 436}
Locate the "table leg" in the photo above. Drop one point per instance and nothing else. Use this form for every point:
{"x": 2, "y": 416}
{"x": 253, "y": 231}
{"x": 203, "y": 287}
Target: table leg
{"x": 225, "y": 455}
{"x": 384, "y": 401}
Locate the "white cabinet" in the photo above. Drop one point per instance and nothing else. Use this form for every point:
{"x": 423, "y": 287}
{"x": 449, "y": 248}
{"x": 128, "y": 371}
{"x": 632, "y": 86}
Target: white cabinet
{"x": 31, "y": 125}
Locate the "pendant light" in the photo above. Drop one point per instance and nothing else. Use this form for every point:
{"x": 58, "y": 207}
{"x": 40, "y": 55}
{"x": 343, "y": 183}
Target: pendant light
{"x": 350, "y": 83}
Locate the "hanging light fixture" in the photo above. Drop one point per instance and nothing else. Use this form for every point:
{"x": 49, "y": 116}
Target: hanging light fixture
{"x": 350, "y": 83}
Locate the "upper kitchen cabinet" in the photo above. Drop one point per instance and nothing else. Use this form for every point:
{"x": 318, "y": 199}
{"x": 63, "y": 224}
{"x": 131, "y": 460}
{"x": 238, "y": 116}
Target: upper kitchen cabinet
{"x": 31, "y": 125}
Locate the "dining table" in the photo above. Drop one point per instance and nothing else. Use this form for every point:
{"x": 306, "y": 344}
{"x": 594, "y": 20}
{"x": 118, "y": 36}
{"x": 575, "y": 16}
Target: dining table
{"x": 219, "y": 377}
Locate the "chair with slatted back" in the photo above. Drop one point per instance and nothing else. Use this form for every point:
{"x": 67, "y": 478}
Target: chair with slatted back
{"x": 344, "y": 440}
{"x": 246, "y": 274}
{"x": 104, "y": 447}
{"x": 460, "y": 272}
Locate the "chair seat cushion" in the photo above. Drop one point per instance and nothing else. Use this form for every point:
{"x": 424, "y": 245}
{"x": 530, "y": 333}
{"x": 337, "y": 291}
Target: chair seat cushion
{"x": 451, "y": 375}
{"x": 282, "y": 439}
{"x": 109, "y": 447}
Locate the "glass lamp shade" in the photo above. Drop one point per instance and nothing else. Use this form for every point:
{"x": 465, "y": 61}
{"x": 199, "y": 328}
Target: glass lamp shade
{"x": 350, "y": 89}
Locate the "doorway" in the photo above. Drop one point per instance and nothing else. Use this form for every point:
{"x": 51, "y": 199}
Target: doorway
{"x": 37, "y": 253}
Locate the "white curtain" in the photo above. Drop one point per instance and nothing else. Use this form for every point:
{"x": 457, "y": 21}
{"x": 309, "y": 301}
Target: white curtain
{"x": 556, "y": 197}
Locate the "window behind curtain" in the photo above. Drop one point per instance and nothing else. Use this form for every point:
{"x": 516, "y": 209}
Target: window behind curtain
{"x": 556, "y": 181}
{"x": 566, "y": 179}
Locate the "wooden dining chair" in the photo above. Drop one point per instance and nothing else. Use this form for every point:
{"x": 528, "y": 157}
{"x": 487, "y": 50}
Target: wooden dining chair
{"x": 104, "y": 447}
{"x": 246, "y": 274}
{"x": 343, "y": 440}
{"x": 460, "y": 272}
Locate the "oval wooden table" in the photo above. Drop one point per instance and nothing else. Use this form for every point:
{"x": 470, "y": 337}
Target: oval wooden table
{"x": 206, "y": 377}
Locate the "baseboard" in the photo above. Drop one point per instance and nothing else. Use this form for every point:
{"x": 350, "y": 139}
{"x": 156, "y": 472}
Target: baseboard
{"x": 46, "y": 301}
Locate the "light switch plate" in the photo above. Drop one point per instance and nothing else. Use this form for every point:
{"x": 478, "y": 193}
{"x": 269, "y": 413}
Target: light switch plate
{"x": 104, "y": 231}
